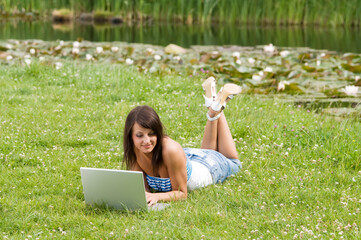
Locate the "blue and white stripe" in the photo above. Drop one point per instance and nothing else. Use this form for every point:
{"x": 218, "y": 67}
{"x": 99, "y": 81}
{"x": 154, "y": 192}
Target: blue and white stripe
{"x": 163, "y": 184}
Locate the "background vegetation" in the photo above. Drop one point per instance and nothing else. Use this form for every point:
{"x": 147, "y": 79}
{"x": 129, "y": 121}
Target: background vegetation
{"x": 285, "y": 12}
{"x": 334, "y": 39}
{"x": 300, "y": 178}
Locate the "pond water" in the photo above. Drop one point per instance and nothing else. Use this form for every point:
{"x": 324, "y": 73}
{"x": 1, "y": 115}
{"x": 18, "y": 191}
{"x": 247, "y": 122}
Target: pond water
{"x": 336, "y": 39}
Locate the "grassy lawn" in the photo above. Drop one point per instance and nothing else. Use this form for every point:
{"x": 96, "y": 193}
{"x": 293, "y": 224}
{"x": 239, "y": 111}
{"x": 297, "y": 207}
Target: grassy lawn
{"x": 300, "y": 178}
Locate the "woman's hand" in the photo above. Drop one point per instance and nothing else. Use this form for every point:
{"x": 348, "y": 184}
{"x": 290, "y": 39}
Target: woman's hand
{"x": 152, "y": 198}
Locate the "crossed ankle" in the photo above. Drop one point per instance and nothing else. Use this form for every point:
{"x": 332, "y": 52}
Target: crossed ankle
{"x": 214, "y": 118}
{"x": 213, "y": 113}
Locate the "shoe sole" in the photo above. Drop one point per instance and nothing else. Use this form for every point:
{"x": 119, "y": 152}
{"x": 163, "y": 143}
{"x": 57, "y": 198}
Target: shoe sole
{"x": 228, "y": 90}
{"x": 207, "y": 86}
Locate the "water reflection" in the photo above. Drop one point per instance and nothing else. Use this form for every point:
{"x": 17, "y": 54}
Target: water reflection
{"x": 337, "y": 39}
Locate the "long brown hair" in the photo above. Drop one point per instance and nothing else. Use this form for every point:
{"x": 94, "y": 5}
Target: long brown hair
{"x": 146, "y": 117}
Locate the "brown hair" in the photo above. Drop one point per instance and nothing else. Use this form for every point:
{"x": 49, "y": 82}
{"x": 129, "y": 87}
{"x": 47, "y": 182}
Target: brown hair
{"x": 146, "y": 117}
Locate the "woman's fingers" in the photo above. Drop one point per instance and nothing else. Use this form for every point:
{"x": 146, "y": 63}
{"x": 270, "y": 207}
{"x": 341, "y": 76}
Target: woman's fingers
{"x": 151, "y": 198}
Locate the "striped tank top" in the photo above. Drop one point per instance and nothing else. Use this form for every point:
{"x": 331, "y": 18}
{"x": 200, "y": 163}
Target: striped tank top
{"x": 163, "y": 184}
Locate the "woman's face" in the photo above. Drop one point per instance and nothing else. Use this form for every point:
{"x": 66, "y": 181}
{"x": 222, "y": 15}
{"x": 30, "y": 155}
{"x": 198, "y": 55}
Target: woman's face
{"x": 144, "y": 139}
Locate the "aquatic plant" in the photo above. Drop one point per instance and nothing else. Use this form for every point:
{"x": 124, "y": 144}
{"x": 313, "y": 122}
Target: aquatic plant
{"x": 281, "y": 12}
{"x": 303, "y": 75}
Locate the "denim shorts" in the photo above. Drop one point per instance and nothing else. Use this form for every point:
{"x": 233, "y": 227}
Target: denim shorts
{"x": 219, "y": 166}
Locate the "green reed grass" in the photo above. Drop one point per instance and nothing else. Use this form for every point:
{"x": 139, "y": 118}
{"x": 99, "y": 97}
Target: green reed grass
{"x": 300, "y": 177}
{"x": 320, "y": 12}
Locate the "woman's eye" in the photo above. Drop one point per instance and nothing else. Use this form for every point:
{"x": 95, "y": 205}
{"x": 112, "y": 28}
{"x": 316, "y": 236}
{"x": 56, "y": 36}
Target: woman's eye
{"x": 139, "y": 135}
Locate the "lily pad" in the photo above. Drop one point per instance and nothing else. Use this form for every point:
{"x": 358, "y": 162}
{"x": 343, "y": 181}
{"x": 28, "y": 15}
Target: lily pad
{"x": 4, "y": 49}
{"x": 128, "y": 51}
{"x": 349, "y": 56}
{"x": 293, "y": 89}
{"x": 305, "y": 56}
{"x": 352, "y": 68}
{"x": 308, "y": 72}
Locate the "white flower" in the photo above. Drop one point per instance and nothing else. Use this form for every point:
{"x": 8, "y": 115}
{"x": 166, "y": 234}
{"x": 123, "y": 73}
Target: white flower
{"x": 115, "y": 49}
{"x": 32, "y": 51}
{"x": 239, "y": 61}
{"x": 8, "y": 46}
{"x": 99, "y": 50}
{"x": 350, "y": 90}
{"x": 61, "y": 43}
{"x": 282, "y": 85}
{"x": 129, "y": 61}
{"x": 157, "y": 57}
{"x": 177, "y": 58}
{"x": 268, "y": 69}
{"x": 149, "y": 51}
{"x": 75, "y": 50}
{"x": 58, "y": 65}
{"x": 27, "y": 61}
{"x": 41, "y": 59}
{"x": 269, "y": 48}
{"x": 9, "y": 58}
{"x": 251, "y": 60}
{"x": 88, "y": 57}
{"x": 318, "y": 62}
{"x": 76, "y": 44}
{"x": 357, "y": 78}
{"x": 256, "y": 77}
{"x": 284, "y": 53}
{"x": 236, "y": 54}
{"x": 27, "y": 56}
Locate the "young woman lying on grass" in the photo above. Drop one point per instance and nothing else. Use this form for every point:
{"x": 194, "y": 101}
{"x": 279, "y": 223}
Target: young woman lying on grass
{"x": 168, "y": 168}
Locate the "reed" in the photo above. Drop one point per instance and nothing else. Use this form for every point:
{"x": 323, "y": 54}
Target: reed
{"x": 280, "y": 12}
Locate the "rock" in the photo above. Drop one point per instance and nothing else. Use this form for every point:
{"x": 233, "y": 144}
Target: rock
{"x": 174, "y": 49}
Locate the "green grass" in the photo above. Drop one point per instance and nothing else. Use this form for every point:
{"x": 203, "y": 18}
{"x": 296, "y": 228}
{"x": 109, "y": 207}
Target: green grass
{"x": 301, "y": 12}
{"x": 300, "y": 178}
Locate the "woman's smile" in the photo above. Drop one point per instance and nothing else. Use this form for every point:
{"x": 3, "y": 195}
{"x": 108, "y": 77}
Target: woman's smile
{"x": 144, "y": 138}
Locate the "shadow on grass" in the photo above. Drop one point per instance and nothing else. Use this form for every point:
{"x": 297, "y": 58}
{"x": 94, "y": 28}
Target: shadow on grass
{"x": 105, "y": 210}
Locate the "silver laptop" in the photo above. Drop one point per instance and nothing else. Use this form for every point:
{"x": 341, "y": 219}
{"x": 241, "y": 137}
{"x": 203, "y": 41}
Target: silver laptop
{"x": 118, "y": 189}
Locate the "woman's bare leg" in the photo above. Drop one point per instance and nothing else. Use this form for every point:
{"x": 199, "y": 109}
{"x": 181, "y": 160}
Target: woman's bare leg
{"x": 218, "y": 137}
{"x": 210, "y": 135}
{"x": 226, "y": 144}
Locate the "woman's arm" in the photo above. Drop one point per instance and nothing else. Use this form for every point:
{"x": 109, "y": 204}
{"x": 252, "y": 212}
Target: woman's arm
{"x": 175, "y": 160}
